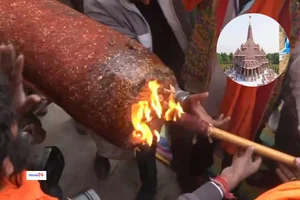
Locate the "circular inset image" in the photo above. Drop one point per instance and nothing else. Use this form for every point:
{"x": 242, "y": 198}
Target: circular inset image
{"x": 253, "y": 50}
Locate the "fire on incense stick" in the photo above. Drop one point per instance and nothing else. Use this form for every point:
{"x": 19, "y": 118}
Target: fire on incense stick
{"x": 144, "y": 111}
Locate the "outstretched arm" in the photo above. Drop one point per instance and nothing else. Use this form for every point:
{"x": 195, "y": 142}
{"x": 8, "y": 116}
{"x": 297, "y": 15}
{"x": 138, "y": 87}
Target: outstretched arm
{"x": 243, "y": 166}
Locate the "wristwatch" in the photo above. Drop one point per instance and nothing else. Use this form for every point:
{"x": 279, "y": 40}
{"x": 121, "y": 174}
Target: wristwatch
{"x": 182, "y": 98}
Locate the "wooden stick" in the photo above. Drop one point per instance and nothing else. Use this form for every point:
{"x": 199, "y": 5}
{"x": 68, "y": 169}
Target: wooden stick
{"x": 244, "y": 143}
{"x": 203, "y": 128}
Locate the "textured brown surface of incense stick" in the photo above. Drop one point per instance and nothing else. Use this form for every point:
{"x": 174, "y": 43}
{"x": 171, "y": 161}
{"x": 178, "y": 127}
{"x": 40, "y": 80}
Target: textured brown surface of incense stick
{"x": 94, "y": 73}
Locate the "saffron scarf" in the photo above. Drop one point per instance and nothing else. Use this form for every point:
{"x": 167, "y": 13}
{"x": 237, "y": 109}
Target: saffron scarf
{"x": 28, "y": 190}
{"x": 286, "y": 191}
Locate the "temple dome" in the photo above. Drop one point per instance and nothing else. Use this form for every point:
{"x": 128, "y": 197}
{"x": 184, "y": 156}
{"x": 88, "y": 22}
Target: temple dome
{"x": 250, "y": 57}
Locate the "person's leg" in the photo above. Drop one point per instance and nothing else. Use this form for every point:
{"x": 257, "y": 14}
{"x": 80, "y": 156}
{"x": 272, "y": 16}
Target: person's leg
{"x": 105, "y": 151}
{"x": 181, "y": 147}
{"x": 202, "y": 157}
{"x": 146, "y": 163}
{"x": 101, "y": 164}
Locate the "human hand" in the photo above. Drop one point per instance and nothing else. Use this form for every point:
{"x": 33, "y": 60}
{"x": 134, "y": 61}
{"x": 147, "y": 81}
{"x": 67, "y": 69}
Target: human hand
{"x": 243, "y": 166}
{"x": 11, "y": 66}
{"x": 193, "y": 104}
{"x": 287, "y": 174}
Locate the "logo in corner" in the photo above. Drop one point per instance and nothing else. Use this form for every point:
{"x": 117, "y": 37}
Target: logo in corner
{"x": 36, "y": 175}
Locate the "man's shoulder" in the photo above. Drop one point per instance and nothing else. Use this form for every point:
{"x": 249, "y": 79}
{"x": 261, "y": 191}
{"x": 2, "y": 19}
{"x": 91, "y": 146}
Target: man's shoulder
{"x": 112, "y": 13}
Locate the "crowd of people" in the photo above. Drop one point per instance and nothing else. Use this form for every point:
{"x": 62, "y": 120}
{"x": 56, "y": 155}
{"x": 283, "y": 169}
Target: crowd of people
{"x": 182, "y": 33}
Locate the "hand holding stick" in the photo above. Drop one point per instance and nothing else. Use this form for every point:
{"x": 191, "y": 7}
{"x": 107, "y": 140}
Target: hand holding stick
{"x": 203, "y": 128}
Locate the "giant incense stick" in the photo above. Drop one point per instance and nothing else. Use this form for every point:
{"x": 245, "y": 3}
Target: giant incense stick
{"x": 93, "y": 72}
{"x": 203, "y": 128}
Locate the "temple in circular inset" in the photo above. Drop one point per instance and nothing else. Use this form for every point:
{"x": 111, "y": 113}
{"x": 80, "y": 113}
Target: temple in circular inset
{"x": 250, "y": 63}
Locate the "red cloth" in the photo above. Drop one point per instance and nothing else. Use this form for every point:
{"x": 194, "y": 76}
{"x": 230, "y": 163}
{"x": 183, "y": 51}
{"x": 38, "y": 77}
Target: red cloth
{"x": 189, "y": 5}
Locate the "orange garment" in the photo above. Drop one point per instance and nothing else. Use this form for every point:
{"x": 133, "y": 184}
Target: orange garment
{"x": 29, "y": 190}
{"x": 240, "y": 101}
{"x": 286, "y": 191}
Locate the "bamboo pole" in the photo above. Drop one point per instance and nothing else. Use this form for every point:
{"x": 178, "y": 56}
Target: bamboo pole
{"x": 203, "y": 128}
{"x": 244, "y": 143}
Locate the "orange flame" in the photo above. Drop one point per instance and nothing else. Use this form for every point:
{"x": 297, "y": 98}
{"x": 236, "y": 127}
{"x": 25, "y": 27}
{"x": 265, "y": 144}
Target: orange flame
{"x": 173, "y": 107}
{"x": 143, "y": 112}
{"x": 155, "y": 103}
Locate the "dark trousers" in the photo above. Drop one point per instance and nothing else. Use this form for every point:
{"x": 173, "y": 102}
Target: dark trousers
{"x": 189, "y": 161}
{"x": 146, "y": 163}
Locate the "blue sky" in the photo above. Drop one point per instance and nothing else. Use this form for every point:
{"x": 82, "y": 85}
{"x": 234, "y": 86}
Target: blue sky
{"x": 265, "y": 33}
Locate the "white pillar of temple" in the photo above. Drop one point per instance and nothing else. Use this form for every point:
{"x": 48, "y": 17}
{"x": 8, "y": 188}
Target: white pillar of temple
{"x": 249, "y": 75}
{"x": 256, "y": 72}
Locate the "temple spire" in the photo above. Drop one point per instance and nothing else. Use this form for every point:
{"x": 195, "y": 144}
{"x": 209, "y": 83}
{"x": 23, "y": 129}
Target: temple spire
{"x": 250, "y": 36}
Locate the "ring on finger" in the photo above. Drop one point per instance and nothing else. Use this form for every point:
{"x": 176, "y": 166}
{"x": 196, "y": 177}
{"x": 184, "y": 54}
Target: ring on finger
{"x": 293, "y": 179}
